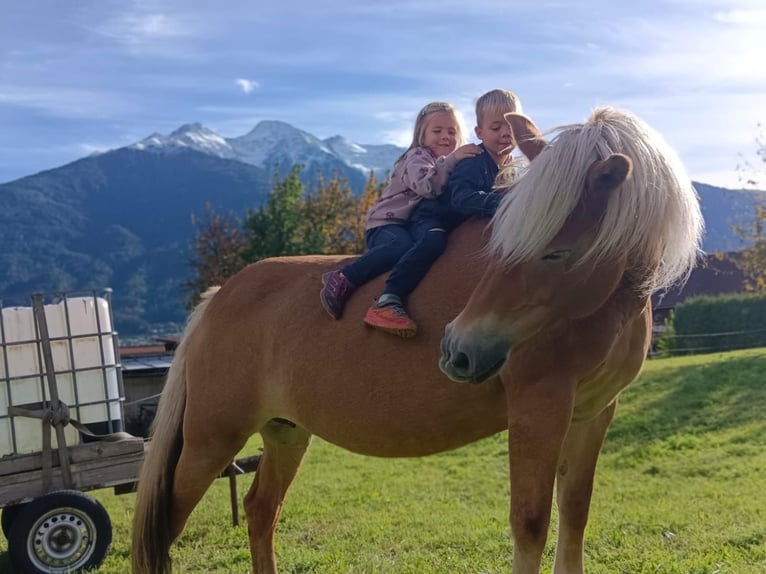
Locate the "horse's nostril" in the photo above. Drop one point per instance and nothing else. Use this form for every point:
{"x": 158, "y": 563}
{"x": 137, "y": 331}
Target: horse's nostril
{"x": 460, "y": 361}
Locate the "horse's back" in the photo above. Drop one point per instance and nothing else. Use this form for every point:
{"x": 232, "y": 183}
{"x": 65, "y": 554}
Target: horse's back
{"x": 283, "y": 292}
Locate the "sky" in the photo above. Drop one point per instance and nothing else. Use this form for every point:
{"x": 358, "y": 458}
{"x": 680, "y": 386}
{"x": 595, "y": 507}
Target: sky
{"x": 77, "y": 77}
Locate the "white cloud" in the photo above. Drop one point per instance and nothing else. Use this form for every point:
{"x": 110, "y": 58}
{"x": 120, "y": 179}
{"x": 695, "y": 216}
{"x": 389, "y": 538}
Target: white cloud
{"x": 143, "y": 29}
{"x": 93, "y": 149}
{"x": 65, "y": 102}
{"x": 247, "y": 85}
{"x": 400, "y": 137}
{"x": 742, "y": 17}
{"x": 136, "y": 29}
{"x": 150, "y": 26}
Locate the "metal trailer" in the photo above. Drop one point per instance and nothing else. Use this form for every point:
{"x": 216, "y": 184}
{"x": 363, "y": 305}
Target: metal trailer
{"x": 51, "y": 525}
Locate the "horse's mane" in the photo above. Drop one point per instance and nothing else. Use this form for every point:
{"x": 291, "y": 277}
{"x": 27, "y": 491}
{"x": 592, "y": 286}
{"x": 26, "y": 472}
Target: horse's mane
{"x": 654, "y": 217}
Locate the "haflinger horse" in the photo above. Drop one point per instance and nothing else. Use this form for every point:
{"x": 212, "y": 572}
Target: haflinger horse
{"x": 546, "y": 311}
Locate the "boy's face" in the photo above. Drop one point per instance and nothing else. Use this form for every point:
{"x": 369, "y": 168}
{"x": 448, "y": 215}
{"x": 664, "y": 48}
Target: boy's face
{"x": 495, "y": 133}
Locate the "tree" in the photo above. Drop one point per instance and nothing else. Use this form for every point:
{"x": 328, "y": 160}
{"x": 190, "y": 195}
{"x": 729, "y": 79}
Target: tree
{"x": 327, "y": 212}
{"x": 372, "y": 190}
{"x": 218, "y": 252}
{"x": 752, "y": 260}
{"x": 274, "y": 228}
{"x": 329, "y": 219}
{"x": 754, "y": 175}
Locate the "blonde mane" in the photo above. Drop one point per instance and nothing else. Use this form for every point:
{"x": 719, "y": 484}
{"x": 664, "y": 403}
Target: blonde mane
{"x": 653, "y": 218}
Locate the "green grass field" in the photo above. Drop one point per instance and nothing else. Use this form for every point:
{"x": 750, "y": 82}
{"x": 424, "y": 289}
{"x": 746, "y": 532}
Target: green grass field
{"x": 680, "y": 489}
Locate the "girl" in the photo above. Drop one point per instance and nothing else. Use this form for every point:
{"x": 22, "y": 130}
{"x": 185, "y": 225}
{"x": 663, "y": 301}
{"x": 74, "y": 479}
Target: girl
{"x": 391, "y": 238}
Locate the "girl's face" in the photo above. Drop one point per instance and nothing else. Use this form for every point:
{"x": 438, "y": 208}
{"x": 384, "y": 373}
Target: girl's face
{"x": 440, "y": 135}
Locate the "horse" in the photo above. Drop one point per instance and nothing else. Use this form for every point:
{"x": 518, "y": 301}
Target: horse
{"x": 544, "y": 311}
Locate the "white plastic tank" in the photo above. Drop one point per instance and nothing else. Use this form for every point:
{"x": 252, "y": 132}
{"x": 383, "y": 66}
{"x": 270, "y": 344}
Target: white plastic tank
{"x": 85, "y": 365}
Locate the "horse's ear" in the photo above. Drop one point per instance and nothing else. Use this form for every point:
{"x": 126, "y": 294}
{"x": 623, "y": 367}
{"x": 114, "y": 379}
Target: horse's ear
{"x": 608, "y": 174}
{"x": 527, "y": 135}
{"x": 603, "y": 177}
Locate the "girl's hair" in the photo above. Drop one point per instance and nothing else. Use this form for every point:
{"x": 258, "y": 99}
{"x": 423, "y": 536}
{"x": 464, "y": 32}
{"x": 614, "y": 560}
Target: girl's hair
{"x": 422, "y": 120}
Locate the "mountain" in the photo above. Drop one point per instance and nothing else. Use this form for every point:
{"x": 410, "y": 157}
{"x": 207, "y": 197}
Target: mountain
{"x": 122, "y": 218}
{"x": 277, "y": 145}
{"x": 723, "y": 209}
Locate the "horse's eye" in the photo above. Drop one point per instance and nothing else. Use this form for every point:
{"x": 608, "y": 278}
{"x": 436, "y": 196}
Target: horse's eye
{"x": 558, "y": 255}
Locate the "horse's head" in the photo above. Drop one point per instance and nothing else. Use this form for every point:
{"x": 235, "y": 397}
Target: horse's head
{"x": 510, "y": 304}
{"x": 585, "y": 215}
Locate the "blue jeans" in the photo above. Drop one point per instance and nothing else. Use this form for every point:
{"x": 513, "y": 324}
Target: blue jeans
{"x": 409, "y": 250}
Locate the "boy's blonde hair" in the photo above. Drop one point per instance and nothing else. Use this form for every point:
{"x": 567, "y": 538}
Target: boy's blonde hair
{"x": 428, "y": 110}
{"x": 499, "y": 100}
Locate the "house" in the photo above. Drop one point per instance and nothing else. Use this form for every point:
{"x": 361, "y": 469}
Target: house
{"x": 716, "y": 274}
{"x": 144, "y": 369}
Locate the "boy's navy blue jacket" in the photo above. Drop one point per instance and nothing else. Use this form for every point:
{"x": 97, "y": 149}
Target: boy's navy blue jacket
{"x": 468, "y": 192}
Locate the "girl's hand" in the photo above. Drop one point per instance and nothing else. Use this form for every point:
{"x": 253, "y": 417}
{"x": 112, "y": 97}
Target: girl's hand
{"x": 467, "y": 150}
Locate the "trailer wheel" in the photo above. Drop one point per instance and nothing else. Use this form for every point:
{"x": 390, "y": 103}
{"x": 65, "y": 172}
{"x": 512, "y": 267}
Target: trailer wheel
{"x": 9, "y": 516}
{"x": 65, "y": 531}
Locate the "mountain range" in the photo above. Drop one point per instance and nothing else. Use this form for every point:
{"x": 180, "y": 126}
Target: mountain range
{"x": 123, "y": 218}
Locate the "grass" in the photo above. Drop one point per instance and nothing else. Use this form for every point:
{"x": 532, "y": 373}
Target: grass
{"x": 680, "y": 489}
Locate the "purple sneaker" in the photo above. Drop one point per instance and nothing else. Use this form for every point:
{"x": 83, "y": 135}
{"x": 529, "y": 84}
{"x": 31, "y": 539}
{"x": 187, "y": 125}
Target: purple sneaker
{"x": 336, "y": 290}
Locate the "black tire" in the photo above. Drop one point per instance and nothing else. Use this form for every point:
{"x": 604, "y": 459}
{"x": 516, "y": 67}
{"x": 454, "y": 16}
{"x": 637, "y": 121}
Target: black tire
{"x": 65, "y": 531}
{"x": 9, "y": 516}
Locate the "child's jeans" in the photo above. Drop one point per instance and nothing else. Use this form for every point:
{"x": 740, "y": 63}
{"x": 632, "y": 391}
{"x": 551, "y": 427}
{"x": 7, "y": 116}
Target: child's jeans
{"x": 429, "y": 242}
{"x": 409, "y": 249}
{"x": 385, "y": 246}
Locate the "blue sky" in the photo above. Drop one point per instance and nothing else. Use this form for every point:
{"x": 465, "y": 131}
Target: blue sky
{"x": 87, "y": 75}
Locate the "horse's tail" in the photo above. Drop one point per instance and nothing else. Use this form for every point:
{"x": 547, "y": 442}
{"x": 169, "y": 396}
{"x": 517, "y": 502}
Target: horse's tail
{"x": 153, "y": 529}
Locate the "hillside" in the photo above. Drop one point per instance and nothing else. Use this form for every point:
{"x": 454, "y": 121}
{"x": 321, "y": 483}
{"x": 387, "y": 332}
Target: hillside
{"x": 723, "y": 208}
{"x": 121, "y": 219}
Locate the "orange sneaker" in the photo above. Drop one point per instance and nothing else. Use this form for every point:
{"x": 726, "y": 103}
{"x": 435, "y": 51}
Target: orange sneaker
{"x": 392, "y": 319}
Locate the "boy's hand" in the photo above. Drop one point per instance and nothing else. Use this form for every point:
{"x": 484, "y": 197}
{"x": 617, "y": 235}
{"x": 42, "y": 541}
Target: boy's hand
{"x": 466, "y": 151}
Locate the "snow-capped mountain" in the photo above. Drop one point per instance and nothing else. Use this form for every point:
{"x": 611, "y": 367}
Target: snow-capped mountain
{"x": 271, "y": 143}
{"x": 379, "y": 158}
{"x": 274, "y": 139}
{"x": 194, "y": 136}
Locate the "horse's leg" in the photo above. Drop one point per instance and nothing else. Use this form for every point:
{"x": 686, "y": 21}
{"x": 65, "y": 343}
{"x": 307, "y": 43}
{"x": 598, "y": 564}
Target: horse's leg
{"x": 574, "y": 486}
{"x": 538, "y": 419}
{"x": 203, "y": 457}
{"x": 283, "y": 450}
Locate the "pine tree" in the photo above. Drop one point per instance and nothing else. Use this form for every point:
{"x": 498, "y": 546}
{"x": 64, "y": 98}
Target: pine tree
{"x": 274, "y": 229}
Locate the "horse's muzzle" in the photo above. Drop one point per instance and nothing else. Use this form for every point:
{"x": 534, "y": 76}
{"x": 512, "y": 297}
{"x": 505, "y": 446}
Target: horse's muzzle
{"x": 472, "y": 359}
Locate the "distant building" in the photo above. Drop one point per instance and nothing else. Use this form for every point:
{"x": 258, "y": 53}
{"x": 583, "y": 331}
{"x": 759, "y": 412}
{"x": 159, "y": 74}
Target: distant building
{"x": 144, "y": 369}
{"x": 717, "y": 274}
